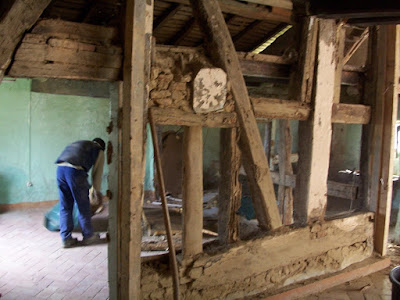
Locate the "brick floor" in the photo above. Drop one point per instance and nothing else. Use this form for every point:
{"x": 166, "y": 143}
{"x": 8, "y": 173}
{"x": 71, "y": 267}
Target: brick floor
{"x": 33, "y": 265}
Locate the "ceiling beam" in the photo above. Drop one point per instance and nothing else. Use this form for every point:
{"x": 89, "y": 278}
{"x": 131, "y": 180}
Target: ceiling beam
{"x": 246, "y": 30}
{"x": 20, "y": 17}
{"x": 287, "y": 4}
{"x": 166, "y": 16}
{"x": 356, "y": 45}
{"x": 251, "y": 12}
{"x": 183, "y": 33}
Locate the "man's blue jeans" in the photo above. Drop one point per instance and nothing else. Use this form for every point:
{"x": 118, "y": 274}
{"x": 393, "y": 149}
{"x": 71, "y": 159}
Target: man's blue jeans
{"x": 73, "y": 186}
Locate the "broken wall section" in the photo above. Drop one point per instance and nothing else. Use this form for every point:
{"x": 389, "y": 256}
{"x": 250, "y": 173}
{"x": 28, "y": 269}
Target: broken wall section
{"x": 266, "y": 263}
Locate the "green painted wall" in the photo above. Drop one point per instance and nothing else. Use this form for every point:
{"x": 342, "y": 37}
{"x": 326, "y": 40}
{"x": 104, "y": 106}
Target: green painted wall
{"x": 35, "y": 128}
{"x": 14, "y": 133}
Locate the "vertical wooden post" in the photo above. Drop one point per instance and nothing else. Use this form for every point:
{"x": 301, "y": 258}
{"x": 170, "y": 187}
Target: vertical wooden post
{"x": 285, "y": 194}
{"x": 378, "y": 136}
{"x": 314, "y": 145}
{"x": 222, "y": 51}
{"x": 230, "y": 189}
{"x": 113, "y": 186}
{"x": 137, "y": 56}
{"x": 339, "y": 53}
{"x": 192, "y": 191}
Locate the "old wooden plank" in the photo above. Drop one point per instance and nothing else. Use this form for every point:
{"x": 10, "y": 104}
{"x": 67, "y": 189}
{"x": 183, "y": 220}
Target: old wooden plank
{"x": 287, "y": 4}
{"x": 46, "y": 53}
{"x": 230, "y": 192}
{"x": 339, "y": 53}
{"x": 223, "y": 53}
{"x": 60, "y": 70}
{"x": 314, "y": 146}
{"x": 65, "y": 29}
{"x": 251, "y": 12}
{"x": 174, "y": 116}
{"x": 13, "y": 24}
{"x": 285, "y": 194}
{"x": 353, "y": 49}
{"x": 270, "y": 108}
{"x": 335, "y": 189}
{"x": 332, "y": 281}
{"x": 351, "y": 113}
{"x": 301, "y": 80}
{"x": 192, "y": 191}
{"x": 389, "y": 102}
{"x": 113, "y": 151}
{"x": 136, "y": 71}
{"x": 264, "y": 109}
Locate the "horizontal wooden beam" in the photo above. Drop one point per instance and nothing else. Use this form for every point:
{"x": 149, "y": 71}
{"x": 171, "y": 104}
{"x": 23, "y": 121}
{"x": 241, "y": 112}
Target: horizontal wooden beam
{"x": 335, "y": 189}
{"x": 264, "y": 108}
{"x": 351, "y": 113}
{"x": 287, "y": 4}
{"x": 251, "y": 12}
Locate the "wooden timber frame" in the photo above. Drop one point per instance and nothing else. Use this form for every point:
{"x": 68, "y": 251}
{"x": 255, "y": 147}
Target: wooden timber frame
{"x": 136, "y": 75}
{"x": 318, "y": 109}
{"x": 377, "y": 152}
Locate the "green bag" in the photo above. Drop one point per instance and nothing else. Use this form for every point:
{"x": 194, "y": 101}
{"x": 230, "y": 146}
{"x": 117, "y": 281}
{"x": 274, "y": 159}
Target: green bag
{"x": 52, "y": 217}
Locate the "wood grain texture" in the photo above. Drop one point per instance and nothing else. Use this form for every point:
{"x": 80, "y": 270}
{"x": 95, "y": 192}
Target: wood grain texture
{"x": 21, "y": 16}
{"x": 314, "y": 146}
{"x": 192, "y": 191}
{"x": 222, "y": 51}
{"x": 230, "y": 191}
{"x": 136, "y": 74}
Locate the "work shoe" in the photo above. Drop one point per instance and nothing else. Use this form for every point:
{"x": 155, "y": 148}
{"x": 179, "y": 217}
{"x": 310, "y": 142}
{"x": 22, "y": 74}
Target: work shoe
{"x": 94, "y": 239}
{"x": 70, "y": 242}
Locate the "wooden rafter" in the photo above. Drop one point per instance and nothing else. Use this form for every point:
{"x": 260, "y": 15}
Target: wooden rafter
{"x": 166, "y": 16}
{"x": 87, "y": 11}
{"x": 183, "y": 32}
{"x": 287, "y": 4}
{"x": 20, "y": 17}
{"x": 251, "y": 12}
{"x": 222, "y": 51}
{"x": 270, "y": 34}
{"x": 244, "y": 32}
{"x": 356, "y": 45}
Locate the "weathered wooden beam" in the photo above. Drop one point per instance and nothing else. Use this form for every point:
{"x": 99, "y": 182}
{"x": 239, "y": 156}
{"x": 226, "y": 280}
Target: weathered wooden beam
{"x": 335, "y": 189}
{"x": 264, "y": 109}
{"x": 137, "y": 55}
{"x": 192, "y": 191}
{"x": 389, "y": 102}
{"x": 19, "y": 18}
{"x": 223, "y": 53}
{"x": 244, "y": 32}
{"x": 230, "y": 191}
{"x": 166, "y": 16}
{"x": 314, "y": 145}
{"x": 285, "y": 194}
{"x": 301, "y": 80}
{"x": 251, "y": 12}
{"x": 356, "y": 46}
{"x": 114, "y": 152}
{"x": 183, "y": 33}
{"x": 351, "y": 113}
{"x": 287, "y": 4}
{"x": 339, "y": 52}
{"x": 268, "y": 108}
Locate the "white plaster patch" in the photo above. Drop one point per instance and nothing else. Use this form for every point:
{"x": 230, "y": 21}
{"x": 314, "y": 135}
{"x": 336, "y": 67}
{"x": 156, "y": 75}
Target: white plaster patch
{"x": 209, "y": 90}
